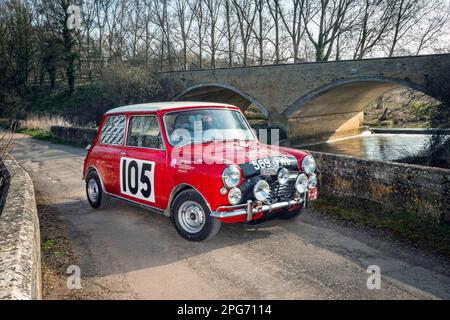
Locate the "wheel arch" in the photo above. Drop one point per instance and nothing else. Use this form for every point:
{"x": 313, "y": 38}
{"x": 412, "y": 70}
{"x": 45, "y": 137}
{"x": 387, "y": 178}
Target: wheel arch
{"x": 177, "y": 190}
{"x": 94, "y": 169}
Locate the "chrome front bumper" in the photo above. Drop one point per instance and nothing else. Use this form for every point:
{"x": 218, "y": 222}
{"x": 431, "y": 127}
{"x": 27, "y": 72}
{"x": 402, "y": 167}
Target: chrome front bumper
{"x": 251, "y": 208}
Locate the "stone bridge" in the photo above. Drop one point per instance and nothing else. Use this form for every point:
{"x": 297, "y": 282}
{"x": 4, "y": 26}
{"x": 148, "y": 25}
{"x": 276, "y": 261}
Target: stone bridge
{"x": 310, "y": 101}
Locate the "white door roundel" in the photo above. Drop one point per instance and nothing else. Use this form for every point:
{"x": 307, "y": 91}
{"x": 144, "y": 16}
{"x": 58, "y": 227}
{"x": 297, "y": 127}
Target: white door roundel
{"x": 137, "y": 179}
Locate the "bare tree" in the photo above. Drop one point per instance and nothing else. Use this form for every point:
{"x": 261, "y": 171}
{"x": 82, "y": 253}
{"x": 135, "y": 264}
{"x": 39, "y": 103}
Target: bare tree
{"x": 274, "y": 9}
{"x": 246, "y": 14}
{"x": 432, "y": 24}
{"x": 331, "y": 19}
{"x": 149, "y": 32}
{"x": 179, "y": 34}
{"x": 200, "y": 21}
{"x": 374, "y": 25}
{"x": 295, "y": 24}
{"x": 213, "y": 9}
{"x": 185, "y": 18}
{"x": 85, "y": 37}
{"x": 161, "y": 20}
{"x": 57, "y": 16}
{"x": 230, "y": 32}
{"x": 261, "y": 29}
{"x": 406, "y": 17}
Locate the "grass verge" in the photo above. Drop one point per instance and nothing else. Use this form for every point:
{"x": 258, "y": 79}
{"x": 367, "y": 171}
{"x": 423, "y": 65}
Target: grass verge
{"x": 57, "y": 255}
{"x": 413, "y": 228}
{"x": 46, "y": 136}
{"x": 37, "y": 134}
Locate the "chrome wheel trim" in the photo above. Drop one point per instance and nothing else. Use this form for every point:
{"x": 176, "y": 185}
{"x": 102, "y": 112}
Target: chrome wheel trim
{"x": 191, "y": 216}
{"x": 93, "y": 190}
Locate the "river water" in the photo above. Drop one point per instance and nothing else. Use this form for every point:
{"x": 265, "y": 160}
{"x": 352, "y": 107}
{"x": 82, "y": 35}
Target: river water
{"x": 387, "y": 147}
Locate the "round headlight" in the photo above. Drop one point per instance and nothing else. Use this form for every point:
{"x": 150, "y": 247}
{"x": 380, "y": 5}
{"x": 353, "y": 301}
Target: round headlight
{"x": 231, "y": 176}
{"x": 235, "y": 196}
{"x": 301, "y": 184}
{"x": 283, "y": 176}
{"x": 261, "y": 191}
{"x": 312, "y": 183}
{"x": 309, "y": 165}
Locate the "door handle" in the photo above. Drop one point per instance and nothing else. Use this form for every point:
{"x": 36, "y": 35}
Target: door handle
{"x": 123, "y": 153}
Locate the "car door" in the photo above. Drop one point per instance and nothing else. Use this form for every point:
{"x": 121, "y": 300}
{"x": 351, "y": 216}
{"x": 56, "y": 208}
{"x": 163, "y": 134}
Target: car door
{"x": 143, "y": 172}
{"x": 108, "y": 151}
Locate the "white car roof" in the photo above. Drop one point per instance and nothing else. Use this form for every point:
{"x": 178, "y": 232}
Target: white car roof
{"x": 165, "y": 105}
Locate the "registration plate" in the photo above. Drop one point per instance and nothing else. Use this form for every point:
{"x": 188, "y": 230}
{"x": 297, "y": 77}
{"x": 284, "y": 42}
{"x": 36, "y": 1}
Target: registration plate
{"x": 312, "y": 194}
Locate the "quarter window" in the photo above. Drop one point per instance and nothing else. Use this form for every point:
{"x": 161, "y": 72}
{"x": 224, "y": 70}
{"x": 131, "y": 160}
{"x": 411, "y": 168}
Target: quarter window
{"x": 144, "y": 132}
{"x": 113, "y": 131}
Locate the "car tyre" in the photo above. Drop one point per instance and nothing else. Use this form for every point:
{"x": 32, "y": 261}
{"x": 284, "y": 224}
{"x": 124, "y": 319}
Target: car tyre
{"x": 96, "y": 196}
{"x": 192, "y": 218}
{"x": 290, "y": 214}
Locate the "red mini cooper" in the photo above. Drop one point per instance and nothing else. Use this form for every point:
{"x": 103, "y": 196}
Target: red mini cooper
{"x": 199, "y": 163}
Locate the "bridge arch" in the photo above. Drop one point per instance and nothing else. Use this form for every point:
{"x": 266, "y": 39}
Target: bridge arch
{"x": 336, "y": 109}
{"x": 345, "y": 96}
{"x": 221, "y": 92}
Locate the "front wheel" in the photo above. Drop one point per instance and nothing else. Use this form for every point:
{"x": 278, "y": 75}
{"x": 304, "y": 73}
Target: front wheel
{"x": 290, "y": 213}
{"x": 192, "y": 218}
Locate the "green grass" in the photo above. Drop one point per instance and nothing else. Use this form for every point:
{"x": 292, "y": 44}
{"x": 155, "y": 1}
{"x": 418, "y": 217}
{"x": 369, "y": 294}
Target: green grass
{"x": 37, "y": 134}
{"x": 417, "y": 229}
{"x": 45, "y": 136}
{"x": 48, "y": 245}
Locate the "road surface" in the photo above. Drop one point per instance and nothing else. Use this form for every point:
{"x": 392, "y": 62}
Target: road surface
{"x": 135, "y": 254}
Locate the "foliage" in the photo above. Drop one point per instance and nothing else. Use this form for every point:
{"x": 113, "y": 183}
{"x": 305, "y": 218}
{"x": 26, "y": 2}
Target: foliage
{"x": 127, "y": 84}
{"x": 437, "y": 152}
{"x": 121, "y": 85}
{"x": 400, "y": 108}
{"x": 16, "y": 50}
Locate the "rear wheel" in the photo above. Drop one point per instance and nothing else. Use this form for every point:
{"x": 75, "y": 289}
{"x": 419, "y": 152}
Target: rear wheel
{"x": 97, "y": 198}
{"x": 192, "y": 218}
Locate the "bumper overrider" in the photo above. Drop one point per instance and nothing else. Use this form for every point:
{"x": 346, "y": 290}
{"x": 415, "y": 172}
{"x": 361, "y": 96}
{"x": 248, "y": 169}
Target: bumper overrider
{"x": 252, "y": 208}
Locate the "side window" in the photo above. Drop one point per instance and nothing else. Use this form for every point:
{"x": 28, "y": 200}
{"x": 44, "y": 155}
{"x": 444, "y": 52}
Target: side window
{"x": 143, "y": 132}
{"x": 113, "y": 131}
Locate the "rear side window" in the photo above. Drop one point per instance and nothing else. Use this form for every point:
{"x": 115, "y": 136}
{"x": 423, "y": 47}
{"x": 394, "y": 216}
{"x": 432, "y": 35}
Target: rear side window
{"x": 113, "y": 131}
{"x": 144, "y": 132}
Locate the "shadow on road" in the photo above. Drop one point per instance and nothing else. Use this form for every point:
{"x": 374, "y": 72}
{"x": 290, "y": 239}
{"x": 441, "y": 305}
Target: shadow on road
{"x": 141, "y": 238}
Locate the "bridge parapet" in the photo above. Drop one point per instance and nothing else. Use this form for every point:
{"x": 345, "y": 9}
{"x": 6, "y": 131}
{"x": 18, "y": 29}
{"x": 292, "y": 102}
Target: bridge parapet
{"x": 297, "y": 97}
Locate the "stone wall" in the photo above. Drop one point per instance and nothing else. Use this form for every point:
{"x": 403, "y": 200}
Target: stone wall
{"x": 74, "y": 135}
{"x": 20, "y": 252}
{"x": 394, "y": 186}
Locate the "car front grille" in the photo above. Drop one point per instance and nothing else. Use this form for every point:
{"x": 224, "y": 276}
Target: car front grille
{"x": 278, "y": 193}
{"x": 281, "y": 193}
